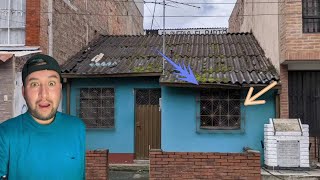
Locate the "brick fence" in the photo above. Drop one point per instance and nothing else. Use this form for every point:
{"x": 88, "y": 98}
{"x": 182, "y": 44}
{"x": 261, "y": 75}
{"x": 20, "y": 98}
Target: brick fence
{"x": 191, "y": 165}
{"x": 97, "y": 166}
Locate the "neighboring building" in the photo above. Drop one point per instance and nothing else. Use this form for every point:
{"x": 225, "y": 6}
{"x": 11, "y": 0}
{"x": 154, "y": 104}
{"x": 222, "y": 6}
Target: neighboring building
{"x": 57, "y": 28}
{"x": 289, "y": 33}
{"x": 6, "y": 94}
{"x": 188, "y": 31}
{"x": 129, "y": 106}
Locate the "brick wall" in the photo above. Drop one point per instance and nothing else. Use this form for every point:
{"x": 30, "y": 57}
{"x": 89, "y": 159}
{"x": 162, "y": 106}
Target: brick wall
{"x": 314, "y": 150}
{"x": 97, "y": 166}
{"x": 32, "y": 22}
{"x": 73, "y": 28}
{"x": 191, "y": 165}
{"x": 7, "y": 86}
{"x": 236, "y": 17}
{"x": 294, "y": 44}
{"x": 284, "y": 97}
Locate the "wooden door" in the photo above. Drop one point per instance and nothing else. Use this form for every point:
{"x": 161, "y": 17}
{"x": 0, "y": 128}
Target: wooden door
{"x": 147, "y": 122}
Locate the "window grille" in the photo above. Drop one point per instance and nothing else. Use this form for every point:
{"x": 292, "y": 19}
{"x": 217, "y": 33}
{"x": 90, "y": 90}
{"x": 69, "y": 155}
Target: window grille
{"x": 148, "y": 96}
{"x": 12, "y": 22}
{"x": 220, "y": 109}
{"x": 96, "y": 107}
{"x": 311, "y": 16}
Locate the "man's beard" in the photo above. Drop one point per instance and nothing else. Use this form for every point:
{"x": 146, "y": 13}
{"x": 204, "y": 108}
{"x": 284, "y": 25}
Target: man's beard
{"x": 37, "y": 115}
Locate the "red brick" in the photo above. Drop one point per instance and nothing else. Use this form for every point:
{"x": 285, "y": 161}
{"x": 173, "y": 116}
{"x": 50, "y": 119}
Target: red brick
{"x": 206, "y": 168}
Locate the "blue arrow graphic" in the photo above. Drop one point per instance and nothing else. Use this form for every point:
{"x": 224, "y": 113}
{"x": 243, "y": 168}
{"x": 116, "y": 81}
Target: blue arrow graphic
{"x": 183, "y": 71}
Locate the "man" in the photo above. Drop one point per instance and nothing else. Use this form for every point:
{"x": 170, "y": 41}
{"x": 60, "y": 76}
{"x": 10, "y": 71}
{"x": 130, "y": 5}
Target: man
{"x": 42, "y": 143}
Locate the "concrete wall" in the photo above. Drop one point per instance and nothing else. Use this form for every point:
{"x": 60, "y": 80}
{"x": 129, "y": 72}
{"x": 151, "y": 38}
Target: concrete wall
{"x": 7, "y": 78}
{"x": 259, "y": 17}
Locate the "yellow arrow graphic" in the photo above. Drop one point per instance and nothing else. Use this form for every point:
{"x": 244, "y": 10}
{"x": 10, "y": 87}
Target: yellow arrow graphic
{"x": 251, "y": 100}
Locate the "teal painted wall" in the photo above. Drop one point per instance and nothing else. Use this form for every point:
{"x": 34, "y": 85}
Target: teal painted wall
{"x": 119, "y": 139}
{"x": 179, "y": 124}
{"x": 179, "y": 130}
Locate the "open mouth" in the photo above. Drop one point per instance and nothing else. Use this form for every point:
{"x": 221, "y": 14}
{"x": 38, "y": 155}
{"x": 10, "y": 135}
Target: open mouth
{"x": 44, "y": 105}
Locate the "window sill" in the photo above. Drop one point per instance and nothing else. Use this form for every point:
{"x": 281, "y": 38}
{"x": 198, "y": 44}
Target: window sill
{"x": 213, "y": 130}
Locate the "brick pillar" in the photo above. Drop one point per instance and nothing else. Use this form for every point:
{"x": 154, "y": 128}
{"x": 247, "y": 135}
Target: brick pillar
{"x": 33, "y": 23}
{"x": 284, "y": 96}
{"x": 97, "y": 165}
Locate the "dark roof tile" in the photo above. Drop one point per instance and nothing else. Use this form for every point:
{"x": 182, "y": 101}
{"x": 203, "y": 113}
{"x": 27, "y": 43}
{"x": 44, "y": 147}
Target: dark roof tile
{"x": 233, "y": 58}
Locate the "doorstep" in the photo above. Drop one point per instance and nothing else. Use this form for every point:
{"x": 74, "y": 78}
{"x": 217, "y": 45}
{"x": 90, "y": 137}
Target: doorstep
{"x": 138, "y": 165}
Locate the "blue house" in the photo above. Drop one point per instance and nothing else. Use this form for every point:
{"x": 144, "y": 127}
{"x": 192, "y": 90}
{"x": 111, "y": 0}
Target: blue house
{"x": 130, "y": 104}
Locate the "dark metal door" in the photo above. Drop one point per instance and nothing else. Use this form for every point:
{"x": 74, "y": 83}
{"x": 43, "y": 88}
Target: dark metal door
{"x": 147, "y": 122}
{"x": 304, "y": 98}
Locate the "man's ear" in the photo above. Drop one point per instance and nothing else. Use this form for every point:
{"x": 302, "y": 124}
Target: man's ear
{"x": 23, "y": 92}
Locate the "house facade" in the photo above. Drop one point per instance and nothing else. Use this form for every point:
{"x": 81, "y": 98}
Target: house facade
{"x": 57, "y": 28}
{"x": 289, "y": 33}
{"x": 139, "y": 112}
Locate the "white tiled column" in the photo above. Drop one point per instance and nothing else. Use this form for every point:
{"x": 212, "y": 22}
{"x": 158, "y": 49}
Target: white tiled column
{"x": 270, "y": 146}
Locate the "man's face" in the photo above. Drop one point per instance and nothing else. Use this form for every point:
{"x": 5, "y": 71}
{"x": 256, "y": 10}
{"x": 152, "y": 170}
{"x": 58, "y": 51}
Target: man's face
{"x": 42, "y": 92}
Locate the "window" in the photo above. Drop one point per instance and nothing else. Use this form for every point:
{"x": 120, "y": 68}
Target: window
{"x": 96, "y": 107}
{"x": 220, "y": 109}
{"x": 311, "y": 16}
{"x": 12, "y": 22}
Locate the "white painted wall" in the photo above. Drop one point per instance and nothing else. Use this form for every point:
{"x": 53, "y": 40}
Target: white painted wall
{"x": 20, "y": 105}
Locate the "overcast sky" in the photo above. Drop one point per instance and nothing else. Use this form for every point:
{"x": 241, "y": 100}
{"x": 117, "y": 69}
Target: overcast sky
{"x": 206, "y": 9}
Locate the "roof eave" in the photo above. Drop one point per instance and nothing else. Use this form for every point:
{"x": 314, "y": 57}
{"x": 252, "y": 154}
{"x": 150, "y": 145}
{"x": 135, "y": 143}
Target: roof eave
{"x": 218, "y": 85}
{"x": 75, "y": 75}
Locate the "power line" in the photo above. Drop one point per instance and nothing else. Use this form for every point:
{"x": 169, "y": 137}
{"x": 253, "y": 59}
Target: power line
{"x": 171, "y": 16}
{"x": 214, "y": 16}
{"x": 256, "y": 2}
{"x": 153, "y": 15}
{"x": 154, "y": 10}
{"x": 231, "y": 3}
{"x": 167, "y": 16}
{"x": 199, "y": 3}
{"x": 186, "y": 4}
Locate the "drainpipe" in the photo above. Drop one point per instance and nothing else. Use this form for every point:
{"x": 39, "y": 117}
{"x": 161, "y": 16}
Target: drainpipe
{"x": 50, "y": 34}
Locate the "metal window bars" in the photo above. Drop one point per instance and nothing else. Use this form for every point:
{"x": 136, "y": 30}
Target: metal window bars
{"x": 96, "y": 107}
{"x": 220, "y": 109}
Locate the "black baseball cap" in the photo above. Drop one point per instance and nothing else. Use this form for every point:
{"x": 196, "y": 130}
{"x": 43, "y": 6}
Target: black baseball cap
{"x": 40, "y": 62}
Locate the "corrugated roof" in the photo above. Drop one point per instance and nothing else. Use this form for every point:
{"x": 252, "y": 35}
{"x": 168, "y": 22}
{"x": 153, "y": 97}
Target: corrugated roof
{"x": 232, "y": 58}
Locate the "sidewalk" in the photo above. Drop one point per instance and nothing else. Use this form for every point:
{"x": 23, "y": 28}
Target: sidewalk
{"x": 267, "y": 174}
{"x": 128, "y": 171}
{"x": 141, "y": 172}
